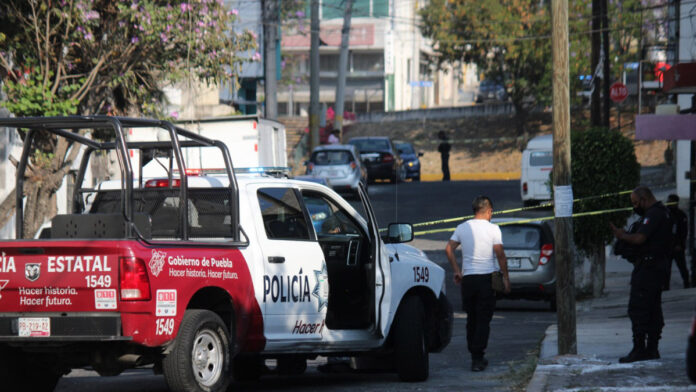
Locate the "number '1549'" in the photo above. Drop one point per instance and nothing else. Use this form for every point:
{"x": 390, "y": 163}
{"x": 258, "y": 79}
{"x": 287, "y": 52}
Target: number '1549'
{"x": 421, "y": 274}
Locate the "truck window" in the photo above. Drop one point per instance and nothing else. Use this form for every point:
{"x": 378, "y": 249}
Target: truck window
{"x": 209, "y": 212}
{"x": 540, "y": 158}
{"x": 283, "y": 218}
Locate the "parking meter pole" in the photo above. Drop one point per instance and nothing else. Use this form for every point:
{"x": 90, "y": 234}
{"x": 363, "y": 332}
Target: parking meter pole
{"x": 565, "y": 276}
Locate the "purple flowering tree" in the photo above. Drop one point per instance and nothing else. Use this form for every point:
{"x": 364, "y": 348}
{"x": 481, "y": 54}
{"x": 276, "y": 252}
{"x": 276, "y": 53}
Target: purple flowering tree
{"x": 61, "y": 57}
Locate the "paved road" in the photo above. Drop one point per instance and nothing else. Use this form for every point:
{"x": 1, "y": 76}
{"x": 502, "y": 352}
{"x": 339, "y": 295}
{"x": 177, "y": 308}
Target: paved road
{"x": 517, "y": 327}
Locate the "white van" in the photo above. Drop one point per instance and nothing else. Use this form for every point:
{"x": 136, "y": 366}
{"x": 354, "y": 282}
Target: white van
{"x": 537, "y": 162}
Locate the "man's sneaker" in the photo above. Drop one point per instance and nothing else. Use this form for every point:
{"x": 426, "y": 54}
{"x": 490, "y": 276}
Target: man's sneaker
{"x": 637, "y": 354}
{"x": 478, "y": 365}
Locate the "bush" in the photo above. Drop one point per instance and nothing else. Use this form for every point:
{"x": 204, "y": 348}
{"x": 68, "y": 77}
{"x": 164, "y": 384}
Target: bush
{"x": 602, "y": 162}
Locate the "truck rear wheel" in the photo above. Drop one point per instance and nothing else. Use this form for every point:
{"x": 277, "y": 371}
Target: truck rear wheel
{"x": 18, "y": 373}
{"x": 200, "y": 360}
{"x": 410, "y": 351}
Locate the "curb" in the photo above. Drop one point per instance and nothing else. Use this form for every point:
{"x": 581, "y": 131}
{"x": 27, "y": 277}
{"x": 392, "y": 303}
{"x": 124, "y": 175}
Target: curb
{"x": 540, "y": 376}
{"x": 504, "y": 176}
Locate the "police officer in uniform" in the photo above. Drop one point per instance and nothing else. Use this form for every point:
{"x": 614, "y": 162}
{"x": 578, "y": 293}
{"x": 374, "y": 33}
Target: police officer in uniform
{"x": 652, "y": 240}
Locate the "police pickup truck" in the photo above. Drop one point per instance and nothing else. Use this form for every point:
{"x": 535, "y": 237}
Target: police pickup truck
{"x": 204, "y": 277}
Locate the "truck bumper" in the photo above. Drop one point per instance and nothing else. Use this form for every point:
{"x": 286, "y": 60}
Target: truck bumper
{"x": 66, "y": 327}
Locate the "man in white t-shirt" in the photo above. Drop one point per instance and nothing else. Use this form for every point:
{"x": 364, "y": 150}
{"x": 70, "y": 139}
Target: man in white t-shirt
{"x": 482, "y": 254}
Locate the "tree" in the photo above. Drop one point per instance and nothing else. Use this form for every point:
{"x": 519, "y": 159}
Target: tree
{"x": 604, "y": 162}
{"x": 509, "y": 40}
{"x": 61, "y": 57}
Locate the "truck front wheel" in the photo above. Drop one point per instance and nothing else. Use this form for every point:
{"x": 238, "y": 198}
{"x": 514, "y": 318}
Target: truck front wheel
{"x": 200, "y": 360}
{"x": 410, "y": 351}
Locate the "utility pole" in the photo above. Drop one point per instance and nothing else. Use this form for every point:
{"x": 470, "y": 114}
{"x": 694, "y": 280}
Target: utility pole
{"x": 270, "y": 36}
{"x": 563, "y": 194}
{"x": 314, "y": 78}
{"x": 343, "y": 67}
{"x": 606, "y": 79}
{"x": 595, "y": 103}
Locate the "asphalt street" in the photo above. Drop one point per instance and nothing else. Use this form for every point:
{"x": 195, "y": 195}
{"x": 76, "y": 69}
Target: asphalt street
{"x": 516, "y": 330}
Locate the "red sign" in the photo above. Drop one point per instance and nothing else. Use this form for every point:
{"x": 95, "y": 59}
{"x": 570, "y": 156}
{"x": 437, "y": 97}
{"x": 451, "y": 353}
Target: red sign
{"x": 618, "y": 92}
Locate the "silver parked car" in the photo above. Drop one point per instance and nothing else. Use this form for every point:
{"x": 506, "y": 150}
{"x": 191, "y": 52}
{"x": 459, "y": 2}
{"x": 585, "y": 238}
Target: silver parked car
{"x": 531, "y": 263}
{"x": 340, "y": 165}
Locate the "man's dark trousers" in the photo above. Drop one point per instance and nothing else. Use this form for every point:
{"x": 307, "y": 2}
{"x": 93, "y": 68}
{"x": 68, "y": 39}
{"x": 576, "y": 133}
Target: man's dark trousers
{"x": 478, "y": 299}
{"x": 445, "y": 167}
{"x": 645, "y": 302}
{"x": 680, "y": 257}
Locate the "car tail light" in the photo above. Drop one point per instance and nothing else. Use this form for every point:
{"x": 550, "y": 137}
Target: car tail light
{"x": 311, "y": 166}
{"x": 546, "y": 252}
{"x": 162, "y": 183}
{"x": 134, "y": 282}
{"x": 524, "y": 188}
{"x": 387, "y": 158}
{"x": 353, "y": 165}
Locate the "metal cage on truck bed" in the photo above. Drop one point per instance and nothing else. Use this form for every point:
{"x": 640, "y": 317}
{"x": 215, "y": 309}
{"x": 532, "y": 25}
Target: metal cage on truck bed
{"x": 125, "y": 221}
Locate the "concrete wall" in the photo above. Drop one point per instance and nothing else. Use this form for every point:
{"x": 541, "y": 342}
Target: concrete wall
{"x": 437, "y": 113}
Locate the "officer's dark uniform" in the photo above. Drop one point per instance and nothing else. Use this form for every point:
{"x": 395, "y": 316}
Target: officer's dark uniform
{"x": 645, "y": 303}
{"x": 679, "y": 230}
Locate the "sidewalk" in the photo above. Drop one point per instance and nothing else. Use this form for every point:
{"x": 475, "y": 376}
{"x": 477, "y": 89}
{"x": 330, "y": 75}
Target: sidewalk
{"x": 604, "y": 335}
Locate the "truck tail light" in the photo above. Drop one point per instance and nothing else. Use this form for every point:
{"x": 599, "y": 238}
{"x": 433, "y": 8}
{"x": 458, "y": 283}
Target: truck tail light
{"x": 162, "y": 183}
{"x": 134, "y": 281}
{"x": 546, "y": 253}
{"x": 386, "y": 158}
{"x": 524, "y": 188}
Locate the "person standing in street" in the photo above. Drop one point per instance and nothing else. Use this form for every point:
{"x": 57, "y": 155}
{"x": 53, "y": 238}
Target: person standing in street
{"x": 482, "y": 246}
{"x": 679, "y": 231}
{"x": 444, "y": 150}
{"x": 652, "y": 240}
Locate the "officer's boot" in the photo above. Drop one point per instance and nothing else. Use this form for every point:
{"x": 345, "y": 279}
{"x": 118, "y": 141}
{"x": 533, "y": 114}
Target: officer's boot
{"x": 638, "y": 352}
{"x": 651, "y": 351}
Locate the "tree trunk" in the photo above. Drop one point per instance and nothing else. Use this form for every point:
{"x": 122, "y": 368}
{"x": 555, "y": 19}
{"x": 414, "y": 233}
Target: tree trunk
{"x": 598, "y": 270}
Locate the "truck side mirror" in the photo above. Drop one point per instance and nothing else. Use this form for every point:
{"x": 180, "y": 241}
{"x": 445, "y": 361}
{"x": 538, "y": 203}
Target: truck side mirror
{"x": 399, "y": 232}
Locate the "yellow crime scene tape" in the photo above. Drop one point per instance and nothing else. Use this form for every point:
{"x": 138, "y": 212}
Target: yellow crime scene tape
{"x": 509, "y": 211}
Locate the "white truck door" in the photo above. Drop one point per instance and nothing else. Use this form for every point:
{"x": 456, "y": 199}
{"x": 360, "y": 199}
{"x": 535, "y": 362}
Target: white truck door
{"x": 295, "y": 283}
{"x": 382, "y": 267}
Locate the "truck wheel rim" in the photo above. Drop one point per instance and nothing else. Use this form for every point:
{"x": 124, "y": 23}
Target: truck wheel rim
{"x": 207, "y": 357}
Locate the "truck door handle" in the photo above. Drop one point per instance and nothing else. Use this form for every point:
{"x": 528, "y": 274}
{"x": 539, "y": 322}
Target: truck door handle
{"x": 276, "y": 259}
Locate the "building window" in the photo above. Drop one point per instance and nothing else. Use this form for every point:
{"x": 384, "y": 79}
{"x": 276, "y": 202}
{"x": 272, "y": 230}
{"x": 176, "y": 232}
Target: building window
{"x": 373, "y": 62}
{"x": 333, "y": 9}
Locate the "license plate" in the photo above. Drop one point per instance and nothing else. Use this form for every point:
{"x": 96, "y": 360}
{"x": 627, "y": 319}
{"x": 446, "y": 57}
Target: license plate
{"x": 34, "y": 326}
{"x": 514, "y": 263}
{"x": 333, "y": 173}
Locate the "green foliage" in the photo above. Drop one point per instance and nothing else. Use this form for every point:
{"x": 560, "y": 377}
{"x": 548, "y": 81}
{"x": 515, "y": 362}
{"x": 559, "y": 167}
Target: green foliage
{"x": 30, "y": 97}
{"x": 602, "y": 162}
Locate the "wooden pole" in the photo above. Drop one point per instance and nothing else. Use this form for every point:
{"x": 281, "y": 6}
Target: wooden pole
{"x": 314, "y": 77}
{"x": 343, "y": 68}
{"x": 565, "y": 279}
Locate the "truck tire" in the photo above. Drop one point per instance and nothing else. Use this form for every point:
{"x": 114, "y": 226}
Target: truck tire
{"x": 200, "y": 360}
{"x": 410, "y": 350}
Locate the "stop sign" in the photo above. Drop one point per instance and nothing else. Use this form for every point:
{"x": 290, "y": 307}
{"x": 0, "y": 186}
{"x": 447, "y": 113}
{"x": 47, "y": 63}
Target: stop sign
{"x": 618, "y": 92}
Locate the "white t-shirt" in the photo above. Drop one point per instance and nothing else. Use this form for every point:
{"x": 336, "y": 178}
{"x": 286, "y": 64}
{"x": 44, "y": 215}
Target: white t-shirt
{"x": 477, "y": 237}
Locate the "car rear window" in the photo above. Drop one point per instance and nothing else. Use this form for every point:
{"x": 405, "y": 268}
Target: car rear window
{"x": 370, "y": 144}
{"x": 405, "y": 148}
{"x": 540, "y": 158}
{"x": 521, "y": 237}
{"x": 331, "y": 158}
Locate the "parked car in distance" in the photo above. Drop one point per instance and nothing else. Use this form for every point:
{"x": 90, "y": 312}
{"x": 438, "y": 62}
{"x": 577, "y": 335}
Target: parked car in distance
{"x": 340, "y": 166}
{"x": 380, "y": 157}
{"x": 490, "y": 90}
{"x": 411, "y": 159}
{"x": 529, "y": 249}
{"x": 535, "y": 168}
